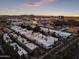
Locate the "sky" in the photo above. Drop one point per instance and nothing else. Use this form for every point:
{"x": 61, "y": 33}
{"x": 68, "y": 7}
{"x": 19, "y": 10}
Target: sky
{"x": 40, "y": 7}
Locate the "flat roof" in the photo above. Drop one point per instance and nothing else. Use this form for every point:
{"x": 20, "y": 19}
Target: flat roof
{"x": 40, "y": 38}
{"x": 61, "y": 33}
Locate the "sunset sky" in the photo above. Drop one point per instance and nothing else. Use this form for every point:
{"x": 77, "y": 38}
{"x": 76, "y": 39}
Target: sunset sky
{"x": 39, "y": 7}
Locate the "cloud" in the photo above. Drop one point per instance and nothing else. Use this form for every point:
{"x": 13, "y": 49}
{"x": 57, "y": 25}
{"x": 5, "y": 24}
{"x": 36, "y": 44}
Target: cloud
{"x": 38, "y": 3}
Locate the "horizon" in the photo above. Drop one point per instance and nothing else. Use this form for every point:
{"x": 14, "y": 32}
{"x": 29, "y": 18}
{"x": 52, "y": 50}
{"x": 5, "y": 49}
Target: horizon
{"x": 38, "y": 15}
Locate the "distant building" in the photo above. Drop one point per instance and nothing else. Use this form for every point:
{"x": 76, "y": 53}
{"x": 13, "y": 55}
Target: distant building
{"x": 60, "y": 18}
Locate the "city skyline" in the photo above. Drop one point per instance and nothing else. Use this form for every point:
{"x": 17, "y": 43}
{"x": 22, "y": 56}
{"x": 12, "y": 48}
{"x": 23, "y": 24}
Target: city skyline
{"x": 39, "y": 7}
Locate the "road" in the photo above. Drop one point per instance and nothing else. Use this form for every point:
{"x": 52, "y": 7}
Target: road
{"x": 60, "y": 48}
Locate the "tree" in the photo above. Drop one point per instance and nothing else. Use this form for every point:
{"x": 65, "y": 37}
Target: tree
{"x": 23, "y": 26}
{"x": 29, "y": 27}
{"x": 58, "y": 23}
{"x": 37, "y": 29}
